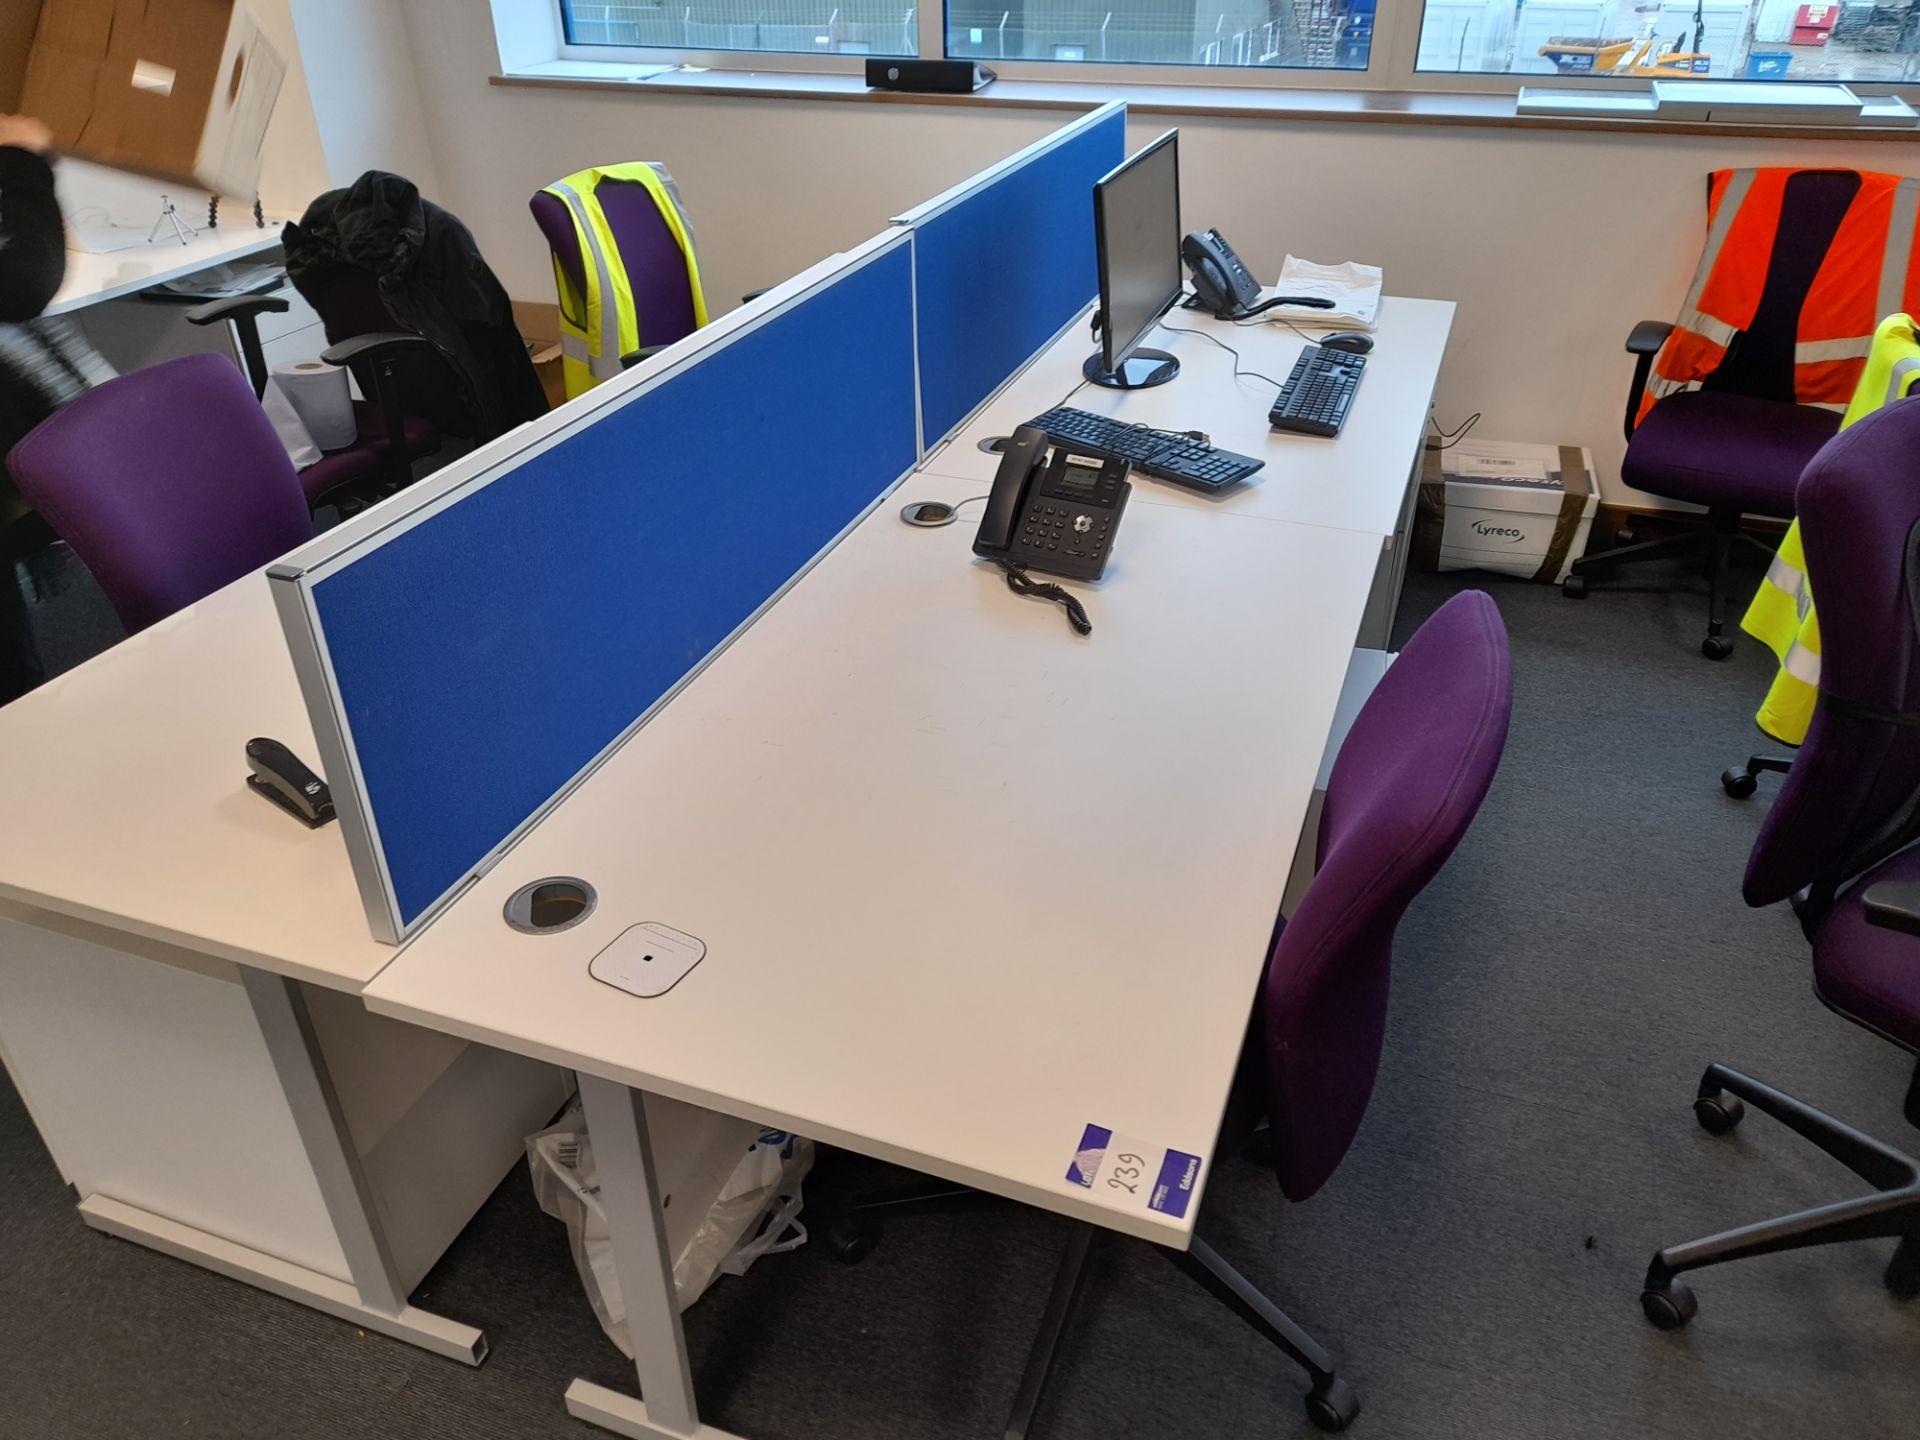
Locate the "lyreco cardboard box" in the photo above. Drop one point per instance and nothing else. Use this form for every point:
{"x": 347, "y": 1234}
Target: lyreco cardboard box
{"x": 181, "y": 90}
{"x": 1510, "y": 507}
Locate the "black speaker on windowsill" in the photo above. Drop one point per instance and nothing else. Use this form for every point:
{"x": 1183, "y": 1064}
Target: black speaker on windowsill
{"x": 937, "y": 77}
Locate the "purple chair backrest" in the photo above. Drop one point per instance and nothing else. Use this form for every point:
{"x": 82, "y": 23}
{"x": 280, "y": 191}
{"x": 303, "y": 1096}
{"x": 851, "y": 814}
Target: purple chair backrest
{"x": 1858, "y": 771}
{"x": 656, "y": 270}
{"x": 169, "y": 483}
{"x": 1407, "y": 783}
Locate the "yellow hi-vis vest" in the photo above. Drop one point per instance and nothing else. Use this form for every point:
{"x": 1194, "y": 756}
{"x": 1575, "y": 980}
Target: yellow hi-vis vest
{"x": 602, "y": 325}
{"x": 1782, "y": 614}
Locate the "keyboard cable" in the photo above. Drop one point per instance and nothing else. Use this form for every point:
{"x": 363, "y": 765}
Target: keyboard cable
{"x": 1211, "y": 340}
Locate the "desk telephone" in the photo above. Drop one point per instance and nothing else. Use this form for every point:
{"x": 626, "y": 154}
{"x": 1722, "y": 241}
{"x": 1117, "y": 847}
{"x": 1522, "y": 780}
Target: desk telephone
{"x": 1221, "y": 281}
{"x": 1053, "y": 511}
{"x": 1222, "y": 284}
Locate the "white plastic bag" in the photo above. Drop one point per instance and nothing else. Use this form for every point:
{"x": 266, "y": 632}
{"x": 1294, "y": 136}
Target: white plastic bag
{"x": 755, "y": 1214}
{"x": 295, "y": 438}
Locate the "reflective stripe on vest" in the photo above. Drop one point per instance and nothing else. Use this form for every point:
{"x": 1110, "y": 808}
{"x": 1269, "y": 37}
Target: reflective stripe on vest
{"x": 1893, "y": 269}
{"x": 1901, "y": 379}
{"x": 603, "y": 358}
{"x": 1739, "y": 183}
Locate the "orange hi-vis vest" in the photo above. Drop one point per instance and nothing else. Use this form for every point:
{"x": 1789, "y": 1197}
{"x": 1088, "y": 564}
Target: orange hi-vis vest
{"x": 1868, "y": 273}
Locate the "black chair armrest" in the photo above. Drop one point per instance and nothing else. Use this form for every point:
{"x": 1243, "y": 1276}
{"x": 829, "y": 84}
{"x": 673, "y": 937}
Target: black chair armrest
{"x": 376, "y": 346}
{"x": 371, "y": 358}
{"x": 1648, "y": 336}
{"x": 634, "y": 357}
{"x": 1894, "y": 905}
{"x": 1645, "y": 342}
{"x": 237, "y": 307}
{"x": 753, "y": 295}
{"x": 243, "y": 311}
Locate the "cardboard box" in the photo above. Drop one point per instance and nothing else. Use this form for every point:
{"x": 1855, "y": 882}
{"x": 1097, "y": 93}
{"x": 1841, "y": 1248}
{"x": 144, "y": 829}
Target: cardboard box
{"x": 181, "y": 90}
{"x": 1499, "y": 505}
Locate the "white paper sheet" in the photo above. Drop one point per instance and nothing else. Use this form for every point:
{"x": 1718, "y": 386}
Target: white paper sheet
{"x": 1353, "y": 288}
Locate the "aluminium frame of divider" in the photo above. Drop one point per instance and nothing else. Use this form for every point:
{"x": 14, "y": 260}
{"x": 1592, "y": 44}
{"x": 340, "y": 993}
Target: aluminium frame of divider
{"x": 403, "y": 532}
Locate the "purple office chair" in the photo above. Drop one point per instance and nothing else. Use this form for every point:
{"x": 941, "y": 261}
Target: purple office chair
{"x": 1839, "y": 838}
{"x": 168, "y": 483}
{"x": 413, "y": 395}
{"x": 1406, "y": 785}
{"x": 1735, "y": 446}
{"x": 655, "y": 268}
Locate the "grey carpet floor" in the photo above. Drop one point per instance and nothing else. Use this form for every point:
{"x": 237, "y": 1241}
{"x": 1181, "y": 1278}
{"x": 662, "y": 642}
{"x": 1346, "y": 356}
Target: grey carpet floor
{"x": 1475, "y": 1264}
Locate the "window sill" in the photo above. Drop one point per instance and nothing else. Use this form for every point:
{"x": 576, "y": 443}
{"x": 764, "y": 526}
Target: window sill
{"x": 1366, "y": 107}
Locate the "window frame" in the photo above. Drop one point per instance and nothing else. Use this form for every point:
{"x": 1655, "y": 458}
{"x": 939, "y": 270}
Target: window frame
{"x": 1390, "y": 68}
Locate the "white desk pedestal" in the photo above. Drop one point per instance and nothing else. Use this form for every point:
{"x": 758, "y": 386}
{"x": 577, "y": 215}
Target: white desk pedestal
{"x": 637, "y": 1227}
{"x": 257, "y": 1127}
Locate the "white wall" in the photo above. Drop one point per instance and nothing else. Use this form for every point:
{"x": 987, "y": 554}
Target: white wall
{"x": 359, "y": 67}
{"x": 1553, "y": 243}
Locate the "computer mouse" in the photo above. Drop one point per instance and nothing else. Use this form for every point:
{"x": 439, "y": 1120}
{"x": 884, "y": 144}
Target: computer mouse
{"x": 1352, "y": 341}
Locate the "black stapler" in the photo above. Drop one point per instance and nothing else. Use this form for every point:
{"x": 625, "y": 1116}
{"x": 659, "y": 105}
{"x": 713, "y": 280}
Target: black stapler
{"x": 278, "y": 775}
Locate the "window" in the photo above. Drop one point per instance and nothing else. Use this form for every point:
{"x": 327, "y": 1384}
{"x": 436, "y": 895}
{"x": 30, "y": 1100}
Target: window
{"x": 1874, "y": 41}
{"x": 1279, "y": 34}
{"x": 1483, "y": 45}
{"x": 806, "y": 27}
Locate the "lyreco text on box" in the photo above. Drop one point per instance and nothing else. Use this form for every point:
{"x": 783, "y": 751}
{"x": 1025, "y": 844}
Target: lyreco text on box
{"x": 181, "y": 90}
{"x": 1506, "y": 506}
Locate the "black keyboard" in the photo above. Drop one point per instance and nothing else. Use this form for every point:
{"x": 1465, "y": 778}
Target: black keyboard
{"x": 1165, "y": 454}
{"x": 1315, "y": 398}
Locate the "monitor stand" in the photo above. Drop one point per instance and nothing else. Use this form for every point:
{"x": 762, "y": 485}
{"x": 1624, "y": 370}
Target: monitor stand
{"x": 1139, "y": 371}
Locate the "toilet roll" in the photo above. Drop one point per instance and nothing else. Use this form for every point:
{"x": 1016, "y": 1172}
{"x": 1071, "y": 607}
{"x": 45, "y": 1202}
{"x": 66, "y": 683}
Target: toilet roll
{"x": 319, "y": 396}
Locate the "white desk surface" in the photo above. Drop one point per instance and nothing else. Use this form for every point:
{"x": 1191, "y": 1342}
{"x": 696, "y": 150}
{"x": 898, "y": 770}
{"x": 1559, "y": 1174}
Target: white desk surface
{"x": 1356, "y": 481}
{"x": 93, "y": 278}
{"x": 124, "y": 786}
{"x": 967, "y": 881}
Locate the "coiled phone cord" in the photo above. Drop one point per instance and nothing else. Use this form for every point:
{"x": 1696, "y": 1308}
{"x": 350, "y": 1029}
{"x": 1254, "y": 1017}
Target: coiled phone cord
{"x": 1022, "y": 583}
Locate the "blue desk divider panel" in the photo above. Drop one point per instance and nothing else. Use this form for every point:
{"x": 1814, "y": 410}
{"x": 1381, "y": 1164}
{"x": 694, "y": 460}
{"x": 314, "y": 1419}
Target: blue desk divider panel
{"x": 483, "y": 656}
{"x": 1002, "y": 265}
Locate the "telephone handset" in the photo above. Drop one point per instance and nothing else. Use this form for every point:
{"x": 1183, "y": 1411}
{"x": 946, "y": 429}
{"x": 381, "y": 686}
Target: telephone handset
{"x": 1221, "y": 280}
{"x": 1224, "y": 287}
{"x": 1052, "y": 510}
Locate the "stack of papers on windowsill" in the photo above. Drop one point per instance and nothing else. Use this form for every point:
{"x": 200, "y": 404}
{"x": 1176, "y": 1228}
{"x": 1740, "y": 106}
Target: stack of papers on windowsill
{"x": 1354, "y": 290}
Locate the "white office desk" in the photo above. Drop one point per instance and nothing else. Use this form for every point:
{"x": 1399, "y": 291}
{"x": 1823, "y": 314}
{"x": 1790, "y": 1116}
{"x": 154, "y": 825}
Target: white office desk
{"x": 179, "y": 963}
{"x": 1356, "y": 481}
{"x": 967, "y": 882}
{"x": 94, "y": 278}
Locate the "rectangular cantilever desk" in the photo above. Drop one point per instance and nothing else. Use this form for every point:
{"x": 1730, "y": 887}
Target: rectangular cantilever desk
{"x": 1006, "y": 881}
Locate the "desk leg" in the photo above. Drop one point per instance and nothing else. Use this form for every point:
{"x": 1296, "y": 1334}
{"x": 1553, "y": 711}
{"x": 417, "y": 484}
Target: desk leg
{"x": 376, "y": 1300}
{"x": 637, "y": 1228}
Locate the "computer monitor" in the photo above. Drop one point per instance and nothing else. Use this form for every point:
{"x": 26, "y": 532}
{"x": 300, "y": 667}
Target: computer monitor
{"x": 1136, "y": 234}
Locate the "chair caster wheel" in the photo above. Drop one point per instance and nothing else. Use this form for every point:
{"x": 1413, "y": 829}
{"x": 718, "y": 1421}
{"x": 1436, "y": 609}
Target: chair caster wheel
{"x": 1333, "y": 1406}
{"x": 1574, "y": 587}
{"x": 1716, "y": 647}
{"x": 1719, "y": 1114}
{"x": 1671, "y": 1308}
{"x": 1903, "y": 1271}
{"x": 1739, "y": 784}
{"x": 850, "y": 1241}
